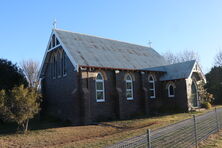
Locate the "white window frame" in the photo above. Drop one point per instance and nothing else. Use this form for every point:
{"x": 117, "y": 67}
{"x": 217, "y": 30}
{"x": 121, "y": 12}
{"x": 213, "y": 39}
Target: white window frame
{"x": 103, "y": 91}
{"x": 131, "y": 83}
{"x": 154, "y": 87}
{"x": 170, "y": 95}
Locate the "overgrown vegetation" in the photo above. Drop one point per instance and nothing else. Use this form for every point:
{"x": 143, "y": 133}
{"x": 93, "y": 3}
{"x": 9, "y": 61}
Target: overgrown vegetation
{"x": 19, "y": 105}
{"x": 206, "y": 105}
{"x": 206, "y": 97}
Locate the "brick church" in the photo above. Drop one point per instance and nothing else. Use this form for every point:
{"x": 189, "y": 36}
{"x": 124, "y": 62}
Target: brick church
{"x": 85, "y": 79}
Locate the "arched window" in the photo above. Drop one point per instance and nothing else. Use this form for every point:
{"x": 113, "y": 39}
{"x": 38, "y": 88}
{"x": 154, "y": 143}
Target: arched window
{"x": 64, "y": 68}
{"x": 53, "y": 41}
{"x": 59, "y": 67}
{"x": 54, "y": 67}
{"x": 194, "y": 95}
{"x": 100, "y": 93}
{"x": 152, "y": 87}
{"x": 171, "y": 91}
{"x": 129, "y": 87}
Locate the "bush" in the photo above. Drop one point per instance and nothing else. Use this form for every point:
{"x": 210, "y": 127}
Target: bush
{"x": 19, "y": 105}
{"x": 206, "y": 105}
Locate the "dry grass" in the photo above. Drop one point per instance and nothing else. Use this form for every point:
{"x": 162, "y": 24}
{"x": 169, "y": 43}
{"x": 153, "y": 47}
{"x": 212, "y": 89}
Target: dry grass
{"x": 92, "y": 136}
{"x": 214, "y": 141}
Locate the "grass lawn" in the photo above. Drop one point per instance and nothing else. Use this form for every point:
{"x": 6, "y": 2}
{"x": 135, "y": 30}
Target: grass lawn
{"x": 48, "y": 134}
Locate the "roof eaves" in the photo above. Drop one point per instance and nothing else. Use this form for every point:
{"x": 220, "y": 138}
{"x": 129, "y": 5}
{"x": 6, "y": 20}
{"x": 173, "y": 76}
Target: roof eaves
{"x": 44, "y": 58}
{"x": 114, "y": 68}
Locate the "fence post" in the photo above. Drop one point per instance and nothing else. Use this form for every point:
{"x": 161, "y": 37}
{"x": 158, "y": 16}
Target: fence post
{"x": 148, "y": 139}
{"x": 218, "y": 128}
{"x": 195, "y": 130}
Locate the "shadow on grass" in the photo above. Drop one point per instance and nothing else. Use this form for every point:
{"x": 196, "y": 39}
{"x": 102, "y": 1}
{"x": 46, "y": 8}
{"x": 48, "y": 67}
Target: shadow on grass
{"x": 47, "y": 123}
{"x": 34, "y": 124}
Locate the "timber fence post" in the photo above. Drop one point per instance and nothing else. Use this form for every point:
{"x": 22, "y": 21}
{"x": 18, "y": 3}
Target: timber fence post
{"x": 195, "y": 131}
{"x": 148, "y": 139}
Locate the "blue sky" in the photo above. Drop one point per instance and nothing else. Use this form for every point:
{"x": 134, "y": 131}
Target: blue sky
{"x": 174, "y": 25}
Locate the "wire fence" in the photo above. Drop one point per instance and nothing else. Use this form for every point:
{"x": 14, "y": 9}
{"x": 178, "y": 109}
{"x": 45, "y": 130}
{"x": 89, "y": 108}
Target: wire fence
{"x": 185, "y": 134}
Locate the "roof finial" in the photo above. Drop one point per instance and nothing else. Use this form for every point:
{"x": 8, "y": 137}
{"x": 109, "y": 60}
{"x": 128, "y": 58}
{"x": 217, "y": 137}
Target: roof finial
{"x": 149, "y": 43}
{"x": 54, "y": 24}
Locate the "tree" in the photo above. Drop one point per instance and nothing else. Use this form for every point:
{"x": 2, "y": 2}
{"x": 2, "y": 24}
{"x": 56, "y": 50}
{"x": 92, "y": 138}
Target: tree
{"x": 30, "y": 69}
{"x": 19, "y": 105}
{"x": 186, "y": 55}
{"x": 214, "y": 83}
{"x": 10, "y": 75}
{"x": 170, "y": 57}
{"x": 218, "y": 59}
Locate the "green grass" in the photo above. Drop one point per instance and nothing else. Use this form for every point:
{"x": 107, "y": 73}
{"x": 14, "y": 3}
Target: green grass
{"x": 48, "y": 134}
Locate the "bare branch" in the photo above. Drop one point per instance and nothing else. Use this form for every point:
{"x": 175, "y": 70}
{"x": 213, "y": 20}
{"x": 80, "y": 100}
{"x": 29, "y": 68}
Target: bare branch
{"x": 30, "y": 69}
{"x": 186, "y": 55}
{"x": 218, "y": 59}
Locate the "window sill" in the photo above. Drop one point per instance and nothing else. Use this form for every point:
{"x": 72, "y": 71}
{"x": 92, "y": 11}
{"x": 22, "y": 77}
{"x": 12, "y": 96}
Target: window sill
{"x": 129, "y": 99}
{"x": 152, "y": 97}
{"x": 171, "y": 96}
{"x": 100, "y": 100}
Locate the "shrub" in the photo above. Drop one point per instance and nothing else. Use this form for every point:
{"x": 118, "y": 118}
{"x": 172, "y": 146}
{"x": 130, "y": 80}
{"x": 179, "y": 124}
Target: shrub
{"x": 206, "y": 105}
{"x": 19, "y": 105}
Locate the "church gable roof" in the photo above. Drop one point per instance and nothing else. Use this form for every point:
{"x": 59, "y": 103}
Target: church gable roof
{"x": 94, "y": 51}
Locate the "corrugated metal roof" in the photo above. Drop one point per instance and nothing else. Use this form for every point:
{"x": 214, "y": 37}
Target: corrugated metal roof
{"x": 100, "y": 52}
{"x": 175, "y": 71}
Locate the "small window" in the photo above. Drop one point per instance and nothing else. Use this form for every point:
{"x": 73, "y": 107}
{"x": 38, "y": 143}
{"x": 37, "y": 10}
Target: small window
{"x": 152, "y": 87}
{"x": 64, "y": 66}
{"x": 57, "y": 42}
{"x": 129, "y": 87}
{"x": 171, "y": 92}
{"x": 100, "y": 93}
{"x": 53, "y": 41}
{"x": 59, "y": 68}
{"x": 54, "y": 67}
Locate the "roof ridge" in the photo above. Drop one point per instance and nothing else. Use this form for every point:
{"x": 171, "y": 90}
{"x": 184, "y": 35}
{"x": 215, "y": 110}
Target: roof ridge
{"x": 164, "y": 66}
{"x": 104, "y": 38}
{"x": 181, "y": 62}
